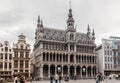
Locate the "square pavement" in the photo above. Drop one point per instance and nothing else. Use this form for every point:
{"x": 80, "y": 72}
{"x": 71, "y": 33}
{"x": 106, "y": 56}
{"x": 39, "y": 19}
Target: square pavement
{"x": 77, "y": 81}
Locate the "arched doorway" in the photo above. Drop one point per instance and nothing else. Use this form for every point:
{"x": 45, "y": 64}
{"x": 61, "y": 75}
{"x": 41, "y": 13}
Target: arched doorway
{"x": 78, "y": 69}
{"x": 52, "y": 69}
{"x": 45, "y": 70}
{"x": 72, "y": 71}
{"x": 89, "y": 71}
{"x": 94, "y": 71}
{"x": 65, "y": 70}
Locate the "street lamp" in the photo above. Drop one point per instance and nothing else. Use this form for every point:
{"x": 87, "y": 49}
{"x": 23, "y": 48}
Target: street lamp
{"x": 58, "y": 69}
{"x": 84, "y": 70}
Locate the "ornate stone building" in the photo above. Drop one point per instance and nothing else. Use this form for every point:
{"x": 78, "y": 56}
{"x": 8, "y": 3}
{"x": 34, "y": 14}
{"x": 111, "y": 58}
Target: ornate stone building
{"x": 65, "y": 52}
{"x": 6, "y": 54}
{"x": 21, "y": 58}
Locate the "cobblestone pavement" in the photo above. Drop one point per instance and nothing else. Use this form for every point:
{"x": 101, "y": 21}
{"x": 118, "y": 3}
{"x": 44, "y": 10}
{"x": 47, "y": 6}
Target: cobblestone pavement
{"x": 77, "y": 81}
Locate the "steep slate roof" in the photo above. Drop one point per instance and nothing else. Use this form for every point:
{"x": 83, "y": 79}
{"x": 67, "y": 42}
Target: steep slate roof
{"x": 59, "y": 35}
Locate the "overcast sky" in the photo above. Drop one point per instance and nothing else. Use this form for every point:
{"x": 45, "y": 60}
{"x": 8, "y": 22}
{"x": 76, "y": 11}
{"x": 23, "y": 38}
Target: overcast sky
{"x": 20, "y": 16}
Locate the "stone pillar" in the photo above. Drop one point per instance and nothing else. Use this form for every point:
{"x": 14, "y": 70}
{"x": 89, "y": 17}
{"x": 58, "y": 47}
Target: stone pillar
{"x": 86, "y": 73}
{"x": 68, "y": 70}
{"x": 41, "y": 71}
{"x": 62, "y": 57}
{"x": 62, "y": 70}
{"x": 45, "y": 57}
{"x": 75, "y": 59}
{"x": 91, "y": 72}
{"x": 75, "y": 70}
{"x": 86, "y": 59}
{"x": 48, "y": 57}
{"x": 81, "y": 72}
{"x": 49, "y": 71}
{"x": 23, "y": 65}
{"x": 55, "y": 69}
{"x": 52, "y": 57}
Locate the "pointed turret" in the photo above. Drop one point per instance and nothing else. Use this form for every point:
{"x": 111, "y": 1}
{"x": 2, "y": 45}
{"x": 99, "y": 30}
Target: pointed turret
{"x": 38, "y": 21}
{"x": 93, "y": 34}
{"x": 41, "y": 24}
{"x": 70, "y": 21}
{"x": 88, "y": 30}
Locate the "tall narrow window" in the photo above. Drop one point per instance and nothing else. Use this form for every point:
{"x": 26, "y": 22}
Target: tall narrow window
{"x": 26, "y": 64}
{"x": 5, "y": 65}
{"x": 21, "y": 54}
{"x": 10, "y": 56}
{"x": 16, "y": 54}
{"x": 21, "y": 63}
{"x": 5, "y": 56}
{"x": 1, "y": 65}
{"x": 27, "y": 55}
{"x": 16, "y": 63}
{"x": 6, "y": 49}
{"x": 10, "y": 66}
{"x": 1, "y": 56}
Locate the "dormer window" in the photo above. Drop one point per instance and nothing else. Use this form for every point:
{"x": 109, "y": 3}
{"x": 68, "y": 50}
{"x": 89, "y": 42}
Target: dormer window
{"x": 21, "y": 47}
{"x": 6, "y": 49}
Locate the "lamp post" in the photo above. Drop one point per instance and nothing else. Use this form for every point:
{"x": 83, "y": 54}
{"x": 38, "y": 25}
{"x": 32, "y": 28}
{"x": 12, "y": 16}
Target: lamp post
{"x": 84, "y": 70}
{"x": 59, "y": 69}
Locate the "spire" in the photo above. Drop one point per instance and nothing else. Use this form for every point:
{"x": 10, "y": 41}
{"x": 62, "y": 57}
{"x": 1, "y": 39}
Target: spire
{"x": 41, "y": 23}
{"x": 70, "y": 20}
{"x": 70, "y": 11}
{"x": 93, "y": 33}
{"x": 38, "y": 21}
{"x": 88, "y": 30}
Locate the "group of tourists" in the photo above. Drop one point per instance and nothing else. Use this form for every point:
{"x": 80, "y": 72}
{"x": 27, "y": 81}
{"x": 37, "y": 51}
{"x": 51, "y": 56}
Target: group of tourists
{"x": 99, "y": 78}
{"x": 57, "y": 78}
{"x": 21, "y": 79}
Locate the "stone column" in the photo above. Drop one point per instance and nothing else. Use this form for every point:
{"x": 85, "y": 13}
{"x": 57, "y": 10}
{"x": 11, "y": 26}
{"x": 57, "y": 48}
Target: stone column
{"x": 91, "y": 72}
{"x": 45, "y": 57}
{"x": 68, "y": 70}
{"x": 62, "y": 70}
{"x": 81, "y": 72}
{"x": 75, "y": 70}
{"x": 48, "y": 57}
{"x": 49, "y": 71}
{"x": 24, "y": 65}
{"x": 86, "y": 73}
{"x": 55, "y": 69}
{"x": 52, "y": 57}
{"x": 41, "y": 71}
{"x": 62, "y": 57}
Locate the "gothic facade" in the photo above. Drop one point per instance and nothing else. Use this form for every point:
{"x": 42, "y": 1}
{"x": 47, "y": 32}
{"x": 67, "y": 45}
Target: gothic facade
{"x": 65, "y": 52}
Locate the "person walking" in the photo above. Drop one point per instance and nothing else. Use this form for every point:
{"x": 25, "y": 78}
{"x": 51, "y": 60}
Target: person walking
{"x": 51, "y": 78}
{"x": 15, "y": 79}
{"x": 60, "y": 78}
{"x": 56, "y": 78}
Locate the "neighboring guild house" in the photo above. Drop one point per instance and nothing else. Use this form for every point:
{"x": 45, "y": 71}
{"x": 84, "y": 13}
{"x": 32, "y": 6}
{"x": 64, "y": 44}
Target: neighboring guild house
{"x": 6, "y": 54}
{"x": 21, "y": 58}
{"x": 109, "y": 56}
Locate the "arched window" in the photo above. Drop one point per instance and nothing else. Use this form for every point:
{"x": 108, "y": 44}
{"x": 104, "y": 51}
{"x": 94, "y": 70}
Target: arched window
{"x": 71, "y": 36}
